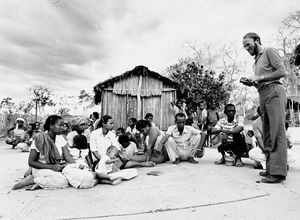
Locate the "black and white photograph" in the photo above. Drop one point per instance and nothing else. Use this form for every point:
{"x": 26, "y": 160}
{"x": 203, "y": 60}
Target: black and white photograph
{"x": 139, "y": 109}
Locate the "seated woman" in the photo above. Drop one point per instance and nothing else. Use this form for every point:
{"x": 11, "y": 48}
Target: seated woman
{"x": 49, "y": 155}
{"x": 152, "y": 138}
{"x": 52, "y": 164}
{"x": 15, "y": 132}
{"x": 79, "y": 141}
{"x": 26, "y": 138}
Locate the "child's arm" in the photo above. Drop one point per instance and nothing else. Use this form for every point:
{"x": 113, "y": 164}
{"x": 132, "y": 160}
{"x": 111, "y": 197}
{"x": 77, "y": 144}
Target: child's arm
{"x": 97, "y": 155}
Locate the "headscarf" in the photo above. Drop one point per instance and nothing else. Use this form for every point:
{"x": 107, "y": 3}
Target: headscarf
{"x": 77, "y": 121}
{"x": 46, "y": 147}
{"x": 21, "y": 119}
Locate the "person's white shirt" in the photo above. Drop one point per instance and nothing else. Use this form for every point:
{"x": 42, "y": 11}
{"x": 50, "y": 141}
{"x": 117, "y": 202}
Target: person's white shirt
{"x": 76, "y": 153}
{"x": 100, "y": 143}
{"x": 182, "y": 139}
{"x": 130, "y": 150}
{"x": 103, "y": 167}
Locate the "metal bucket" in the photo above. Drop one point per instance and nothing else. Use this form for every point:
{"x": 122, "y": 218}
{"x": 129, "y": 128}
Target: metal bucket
{"x": 229, "y": 159}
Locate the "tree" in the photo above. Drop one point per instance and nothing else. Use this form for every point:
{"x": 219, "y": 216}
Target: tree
{"x": 42, "y": 96}
{"x": 84, "y": 96}
{"x": 25, "y": 107}
{"x": 197, "y": 83}
{"x": 288, "y": 39}
{"x": 8, "y": 107}
{"x": 86, "y": 100}
{"x": 64, "y": 111}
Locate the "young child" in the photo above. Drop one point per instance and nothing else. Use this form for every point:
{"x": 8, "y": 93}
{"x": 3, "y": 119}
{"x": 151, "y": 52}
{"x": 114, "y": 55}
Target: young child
{"x": 128, "y": 151}
{"x": 120, "y": 131}
{"x": 107, "y": 165}
{"x": 179, "y": 107}
{"x": 128, "y": 148}
{"x": 132, "y": 132}
{"x": 149, "y": 117}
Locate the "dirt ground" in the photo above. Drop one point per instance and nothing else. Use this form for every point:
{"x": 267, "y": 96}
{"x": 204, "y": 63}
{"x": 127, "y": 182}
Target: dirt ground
{"x": 184, "y": 191}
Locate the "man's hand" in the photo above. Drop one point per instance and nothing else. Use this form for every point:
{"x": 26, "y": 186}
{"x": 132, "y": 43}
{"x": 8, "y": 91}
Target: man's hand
{"x": 254, "y": 78}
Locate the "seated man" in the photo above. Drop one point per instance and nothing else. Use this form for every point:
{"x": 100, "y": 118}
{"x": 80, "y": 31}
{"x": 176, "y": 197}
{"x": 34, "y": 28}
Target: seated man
{"x": 230, "y": 129}
{"x": 258, "y": 154}
{"x": 181, "y": 141}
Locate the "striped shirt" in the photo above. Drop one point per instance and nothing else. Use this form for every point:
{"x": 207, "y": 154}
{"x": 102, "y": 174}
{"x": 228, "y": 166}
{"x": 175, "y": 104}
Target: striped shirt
{"x": 224, "y": 124}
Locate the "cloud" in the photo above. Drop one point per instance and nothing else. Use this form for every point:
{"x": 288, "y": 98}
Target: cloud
{"x": 73, "y": 45}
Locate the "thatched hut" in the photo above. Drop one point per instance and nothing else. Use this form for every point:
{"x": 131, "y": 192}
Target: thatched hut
{"x": 135, "y": 93}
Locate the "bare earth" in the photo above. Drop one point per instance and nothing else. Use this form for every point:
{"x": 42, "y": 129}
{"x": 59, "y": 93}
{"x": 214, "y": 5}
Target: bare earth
{"x": 184, "y": 191}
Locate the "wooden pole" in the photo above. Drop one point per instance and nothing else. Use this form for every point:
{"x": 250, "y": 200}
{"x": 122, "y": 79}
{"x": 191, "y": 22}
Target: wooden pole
{"x": 36, "y": 101}
{"x": 138, "y": 94}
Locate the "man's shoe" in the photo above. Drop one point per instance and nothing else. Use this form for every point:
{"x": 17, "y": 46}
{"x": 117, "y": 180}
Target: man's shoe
{"x": 264, "y": 173}
{"x": 273, "y": 179}
{"x": 192, "y": 160}
{"x": 177, "y": 161}
{"x": 220, "y": 161}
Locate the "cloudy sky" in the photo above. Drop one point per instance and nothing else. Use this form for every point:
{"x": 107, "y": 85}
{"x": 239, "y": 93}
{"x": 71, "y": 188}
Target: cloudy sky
{"x": 70, "y": 45}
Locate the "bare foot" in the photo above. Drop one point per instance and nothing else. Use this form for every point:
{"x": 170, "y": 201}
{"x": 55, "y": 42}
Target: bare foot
{"x": 149, "y": 164}
{"x": 28, "y": 180}
{"x": 116, "y": 181}
{"x": 32, "y": 188}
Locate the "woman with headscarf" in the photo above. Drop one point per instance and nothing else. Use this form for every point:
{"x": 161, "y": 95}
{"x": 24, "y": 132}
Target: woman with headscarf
{"x": 49, "y": 155}
{"x": 79, "y": 141}
{"x": 15, "y": 132}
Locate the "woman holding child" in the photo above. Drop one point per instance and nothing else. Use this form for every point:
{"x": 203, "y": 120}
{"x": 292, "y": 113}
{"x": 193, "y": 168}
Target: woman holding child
{"x": 52, "y": 165}
{"x": 49, "y": 155}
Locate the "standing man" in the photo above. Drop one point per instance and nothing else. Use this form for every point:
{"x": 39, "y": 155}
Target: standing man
{"x": 268, "y": 69}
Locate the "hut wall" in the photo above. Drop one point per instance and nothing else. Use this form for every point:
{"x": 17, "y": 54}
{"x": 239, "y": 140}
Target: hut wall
{"x": 152, "y": 105}
{"x": 121, "y": 101}
{"x": 167, "y": 118}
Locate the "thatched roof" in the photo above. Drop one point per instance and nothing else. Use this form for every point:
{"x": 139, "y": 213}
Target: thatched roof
{"x": 137, "y": 71}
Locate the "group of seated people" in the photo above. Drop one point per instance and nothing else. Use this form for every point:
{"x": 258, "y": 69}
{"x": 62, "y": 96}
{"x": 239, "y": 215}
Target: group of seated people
{"x": 20, "y": 136}
{"x": 95, "y": 153}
